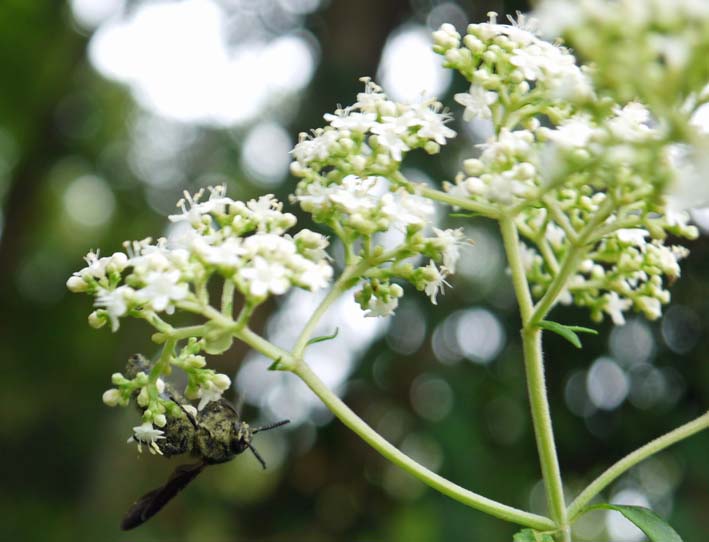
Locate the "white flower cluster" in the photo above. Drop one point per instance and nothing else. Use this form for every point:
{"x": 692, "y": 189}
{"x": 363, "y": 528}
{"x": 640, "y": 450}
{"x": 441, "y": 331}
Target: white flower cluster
{"x": 594, "y": 162}
{"x": 244, "y": 243}
{"x": 343, "y": 166}
{"x": 653, "y": 50}
{"x": 623, "y": 271}
{"x": 347, "y": 174}
{"x": 509, "y": 67}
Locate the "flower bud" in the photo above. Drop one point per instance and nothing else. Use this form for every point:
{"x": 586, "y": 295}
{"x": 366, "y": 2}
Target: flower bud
{"x": 118, "y": 262}
{"x": 143, "y": 398}
{"x": 118, "y": 379}
{"x": 76, "y": 284}
{"x": 221, "y": 381}
{"x": 111, "y": 397}
{"x": 160, "y": 420}
{"x": 97, "y": 319}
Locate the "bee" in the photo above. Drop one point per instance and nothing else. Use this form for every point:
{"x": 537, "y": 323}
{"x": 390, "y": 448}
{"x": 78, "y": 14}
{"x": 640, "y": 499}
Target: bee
{"x": 216, "y": 434}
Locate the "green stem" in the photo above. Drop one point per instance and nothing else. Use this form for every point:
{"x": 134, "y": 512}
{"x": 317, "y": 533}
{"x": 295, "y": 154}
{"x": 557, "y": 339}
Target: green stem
{"x": 437, "y": 482}
{"x": 511, "y": 242}
{"x": 335, "y": 292}
{"x": 228, "y": 298}
{"x": 536, "y": 386}
{"x": 265, "y": 347}
{"x": 632, "y": 459}
{"x": 543, "y": 430}
{"x": 469, "y": 205}
{"x": 570, "y": 264}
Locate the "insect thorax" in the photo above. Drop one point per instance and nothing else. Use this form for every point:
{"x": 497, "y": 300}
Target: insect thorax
{"x": 217, "y": 425}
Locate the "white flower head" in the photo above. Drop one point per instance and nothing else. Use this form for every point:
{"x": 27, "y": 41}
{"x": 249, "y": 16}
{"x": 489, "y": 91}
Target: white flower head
{"x": 449, "y": 241}
{"x": 477, "y": 102}
{"x": 161, "y": 290}
{"x": 264, "y": 277}
{"x": 435, "y": 281}
{"x": 147, "y": 434}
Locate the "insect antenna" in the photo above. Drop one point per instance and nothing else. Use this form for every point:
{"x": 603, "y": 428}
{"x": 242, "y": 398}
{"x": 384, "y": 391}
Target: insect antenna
{"x": 256, "y": 455}
{"x": 269, "y": 426}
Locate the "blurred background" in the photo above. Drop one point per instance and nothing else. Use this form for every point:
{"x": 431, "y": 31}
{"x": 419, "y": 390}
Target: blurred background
{"x": 109, "y": 109}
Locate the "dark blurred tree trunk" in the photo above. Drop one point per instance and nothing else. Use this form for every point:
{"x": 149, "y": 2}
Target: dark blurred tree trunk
{"x": 46, "y": 73}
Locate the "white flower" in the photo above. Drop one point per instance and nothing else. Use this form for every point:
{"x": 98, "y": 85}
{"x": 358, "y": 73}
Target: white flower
{"x": 633, "y": 236}
{"x": 315, "y": 275}
{"x": 630, "y": 122}
{"x": 349, "y": 120}
{"x": 575, "y": 132}
{"x": 147, "y": 434}
{"x": 405, "y": 209}
{"x": 651, "y": 307}
{"x": 449, "y": 241}
{"x": 435, "y": 281}
{"x": 354, "y": 194}
{"x": 317, "y": 148}
{"x": 477, "y": 102}
{"x": 391, "y": 135}
{"x": 433, "y": 124}
{"x": 615, "y": 306}
{"x": 161, "y": 290}
{"x": 264, "y": 277}
{"x": 212, "y": 389}
{"x": 380, "y": 307}
{"x": 115, "y": 302}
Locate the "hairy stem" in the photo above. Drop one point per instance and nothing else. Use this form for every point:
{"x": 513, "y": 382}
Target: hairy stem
{"x": 632, "y": 459}
{"x": 536, "y": 386}
{"x": 390, "y": 452}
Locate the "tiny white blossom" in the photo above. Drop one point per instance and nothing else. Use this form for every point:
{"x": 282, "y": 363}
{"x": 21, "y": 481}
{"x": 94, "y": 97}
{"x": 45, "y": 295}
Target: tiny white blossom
{"x": 264, "y": 277}
{"x": 477, "y": 102}
{"x": 161, "y": 290}
{"x": 147, "y": 434}
{"x": 450, "y": 240}
{"x": 633, "y": 236}
{"x": 615, "y": 306}
{"x": 115, "y": 302}
{"x": 351, "y": 120}
{"x": 436, "y": 281}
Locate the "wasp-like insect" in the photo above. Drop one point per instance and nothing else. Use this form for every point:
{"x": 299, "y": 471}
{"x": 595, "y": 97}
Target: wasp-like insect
{"x": 215, "y": 434}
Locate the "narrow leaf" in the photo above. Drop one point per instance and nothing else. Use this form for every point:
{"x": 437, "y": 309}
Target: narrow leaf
{"x": 560, "y": 329}
{"x": 656, "y": 529}
{"x": 581, "y": 329}
{"x": 323, "y": 337}
{"x": 275, "y": 366}
{"x": 530, "y": 535}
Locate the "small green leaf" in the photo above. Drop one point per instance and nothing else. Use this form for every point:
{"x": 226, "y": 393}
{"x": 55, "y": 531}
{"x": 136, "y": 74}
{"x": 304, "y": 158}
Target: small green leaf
{"x": 275, "y": 366}
{"x": 567, "y": 332}
{"x": 323, "y": 337}
{"x": 656, "y": 529}
{"x": 530, "y": 535}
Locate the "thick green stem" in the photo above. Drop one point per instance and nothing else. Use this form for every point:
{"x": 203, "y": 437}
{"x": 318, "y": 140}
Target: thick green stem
{"x": 632, "y": 459}
{"x": 469, "y": 498}
{"x": 543, "y": 431}
{"x": 536, "y": 386}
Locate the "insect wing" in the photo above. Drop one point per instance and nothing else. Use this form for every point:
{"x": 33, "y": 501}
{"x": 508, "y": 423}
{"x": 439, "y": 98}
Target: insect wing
{"x": 151, "y": 503}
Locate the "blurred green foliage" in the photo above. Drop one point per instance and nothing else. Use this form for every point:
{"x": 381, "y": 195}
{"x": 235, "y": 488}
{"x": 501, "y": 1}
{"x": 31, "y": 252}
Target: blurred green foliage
{"x": 67, "y": 474}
